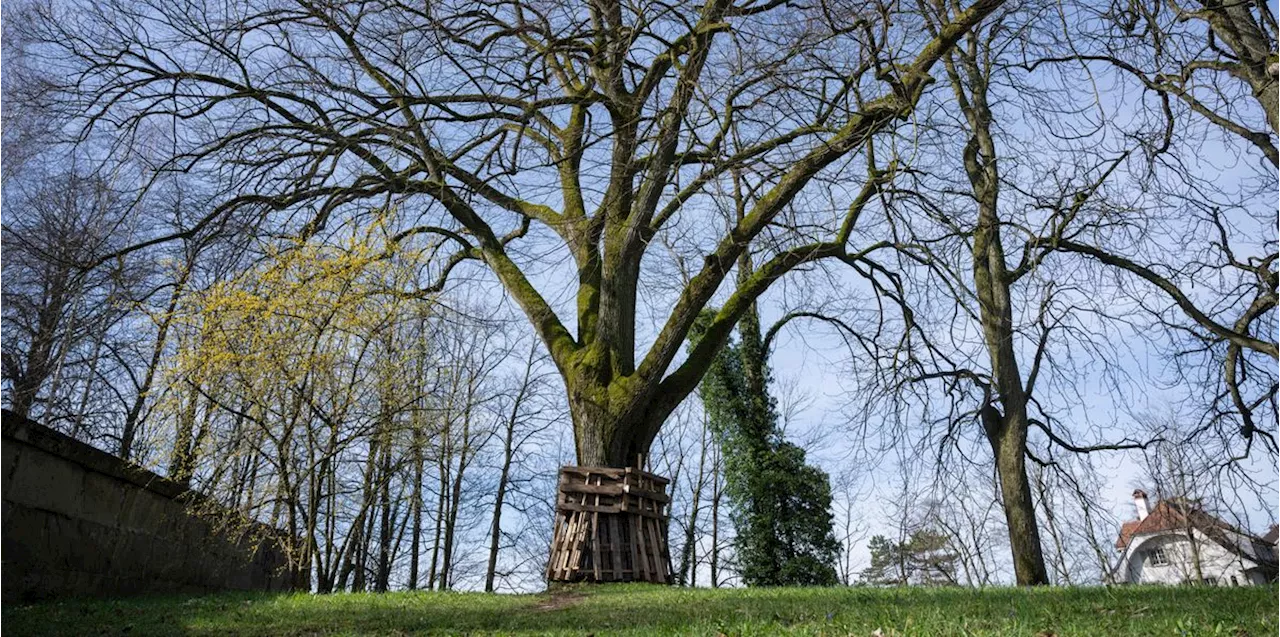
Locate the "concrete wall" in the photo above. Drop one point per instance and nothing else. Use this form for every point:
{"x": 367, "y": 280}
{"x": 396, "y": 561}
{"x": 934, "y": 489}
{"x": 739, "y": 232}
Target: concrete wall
{"x": 81, "y": 522}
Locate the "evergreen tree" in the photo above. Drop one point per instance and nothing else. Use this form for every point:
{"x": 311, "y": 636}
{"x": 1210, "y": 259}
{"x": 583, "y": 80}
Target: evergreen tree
{"x": 781, "y": 505}
{"x": 925, "y": 559}
{"x": 888, "y": 566}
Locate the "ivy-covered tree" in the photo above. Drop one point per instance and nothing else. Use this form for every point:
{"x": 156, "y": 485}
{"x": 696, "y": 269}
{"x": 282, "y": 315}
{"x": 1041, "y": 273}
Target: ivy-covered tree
{"x": 781, "y": 505}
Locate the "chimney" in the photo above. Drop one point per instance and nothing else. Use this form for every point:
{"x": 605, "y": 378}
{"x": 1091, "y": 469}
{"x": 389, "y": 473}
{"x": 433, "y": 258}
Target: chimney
{"x": 1140, "y": 503}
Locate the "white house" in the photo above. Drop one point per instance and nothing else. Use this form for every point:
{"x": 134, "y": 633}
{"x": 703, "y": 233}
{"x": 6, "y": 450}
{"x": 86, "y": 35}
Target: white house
{"x": 1177, "y": 542}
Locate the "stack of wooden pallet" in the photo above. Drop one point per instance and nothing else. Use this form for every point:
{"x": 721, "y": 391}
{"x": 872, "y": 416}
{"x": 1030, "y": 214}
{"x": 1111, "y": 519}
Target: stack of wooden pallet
{"x": 611, "y": 526}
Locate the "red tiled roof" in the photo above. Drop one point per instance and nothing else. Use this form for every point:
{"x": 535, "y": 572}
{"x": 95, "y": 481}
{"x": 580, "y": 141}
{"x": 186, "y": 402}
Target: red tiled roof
{"x": 1170, "y": 516}
{"x": 1272, "y": 535}
{"x": 1126, "y": 533}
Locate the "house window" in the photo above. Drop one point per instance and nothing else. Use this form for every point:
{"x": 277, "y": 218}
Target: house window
{"x": 1158, "y": 557}
{"x": 1234, "y": 581}
{"x": 1210, "y": 581}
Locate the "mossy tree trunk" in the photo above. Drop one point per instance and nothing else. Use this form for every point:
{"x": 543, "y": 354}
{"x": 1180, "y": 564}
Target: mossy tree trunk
{"x": 1005, "y": 425}
{"x": 618, "y": 403}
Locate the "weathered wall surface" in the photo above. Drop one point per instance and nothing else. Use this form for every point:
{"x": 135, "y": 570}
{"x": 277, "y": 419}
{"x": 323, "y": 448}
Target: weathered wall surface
{"x": 81, "y": 522}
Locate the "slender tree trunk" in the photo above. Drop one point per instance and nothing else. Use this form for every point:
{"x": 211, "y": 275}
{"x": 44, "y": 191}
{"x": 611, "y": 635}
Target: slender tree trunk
{"x": 689, "y": 554}
{"x": 356, "y": 558}
{"x": 99, "y": 336}
{"x": 1009, "y": 445}
{"x": 246, "y": 483}
{"x": 508, "y": 453}
{"x": 384, "y": 526}
{"x": 180, "y": 461}
{"x": 415, "y": 548}
{"x": 441, "y": 507}
{"x": 455, "y": 504}
{"x": 347, "y": 556}
{"x": 1055, "y": 534}
{"x": 419, "y": 441}
{"x": 1197, "y": 568}
{"x": 1006, "y": 427}
{"x": 361, "y": 578}
{"x": 334, "y": 557}
{"x": 130, "y": 429}
{"x": 716, "y": 493}
{"x": 495, "y": 529}
{"x": 287, "y": 498}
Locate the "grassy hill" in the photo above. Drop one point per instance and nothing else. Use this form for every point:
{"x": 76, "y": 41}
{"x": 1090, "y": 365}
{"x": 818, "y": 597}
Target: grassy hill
{"x": 653, "y": 610}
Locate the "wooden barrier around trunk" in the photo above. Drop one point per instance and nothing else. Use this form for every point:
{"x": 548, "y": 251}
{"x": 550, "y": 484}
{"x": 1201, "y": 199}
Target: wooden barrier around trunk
{"x": 611, "y": 526}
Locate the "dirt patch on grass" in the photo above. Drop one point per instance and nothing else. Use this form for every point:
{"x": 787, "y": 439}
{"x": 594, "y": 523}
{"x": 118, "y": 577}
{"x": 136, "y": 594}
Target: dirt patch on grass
{"x": 558, "y": 600}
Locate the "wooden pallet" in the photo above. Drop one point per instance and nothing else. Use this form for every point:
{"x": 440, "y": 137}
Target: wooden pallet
{"x": 611, "y": 526}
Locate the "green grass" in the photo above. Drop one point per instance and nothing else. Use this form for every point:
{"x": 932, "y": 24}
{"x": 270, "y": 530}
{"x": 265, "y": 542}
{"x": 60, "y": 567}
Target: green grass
{"x": 653, "y": 610}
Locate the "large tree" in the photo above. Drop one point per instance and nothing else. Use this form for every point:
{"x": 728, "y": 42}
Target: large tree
{"x": 1006, "y": 174}
{"x": 500, "y": 130}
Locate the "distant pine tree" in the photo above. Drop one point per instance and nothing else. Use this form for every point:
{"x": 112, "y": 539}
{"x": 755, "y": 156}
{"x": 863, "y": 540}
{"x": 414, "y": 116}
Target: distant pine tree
{"x": 888, "y": 564}
{"x": 925, "y": 559}
{"x": 781, "y": 506}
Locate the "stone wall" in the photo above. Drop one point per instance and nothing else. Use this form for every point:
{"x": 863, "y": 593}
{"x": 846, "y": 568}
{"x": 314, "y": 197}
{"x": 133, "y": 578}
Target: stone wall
{"x": 81, "y": 522}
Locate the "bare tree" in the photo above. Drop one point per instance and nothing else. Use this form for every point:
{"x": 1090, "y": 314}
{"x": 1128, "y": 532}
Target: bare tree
{"x": 55, "y": 312}
{"x": 596, "y": 107}
{"x": 979, "y": 319}
{"x": 516, "y": 434}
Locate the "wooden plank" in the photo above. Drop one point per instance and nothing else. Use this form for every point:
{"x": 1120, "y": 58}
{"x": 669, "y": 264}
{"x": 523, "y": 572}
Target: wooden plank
{"x": 642, "y": 556}
{"x": 555, "y": 552}
{"x": 586, "y": 471}
{"x": 579, "y": 541}
{"x": 575, "y": 543}
{"x": 591, "y": 508}
{"x": 562, "y": 556}
{"x": 553, "y": 564}
{"x": 601, "y": 545}
{"x": 650, "y": 550}
{"x": 566, "y": 566}
{"x": 594, "y": 489}
{"x": 595, "y": 545}
{"x": 660, "y": 554}
{"x": 579, "y": 538}
{"x": 595, "y": 534}
{"x": 655, "y": 496}
{"x": 616, "y": 549}
{"x": 648, "y": 547}
{"x": 659, "y": 480}
{"x": 610, "y": 509}
{"x": 566, "y": 547}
